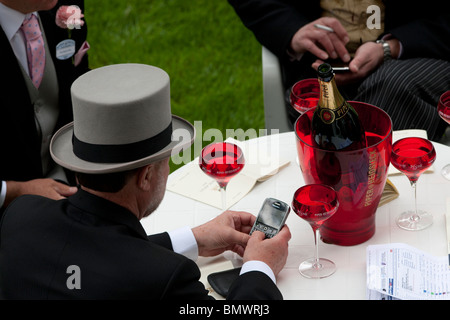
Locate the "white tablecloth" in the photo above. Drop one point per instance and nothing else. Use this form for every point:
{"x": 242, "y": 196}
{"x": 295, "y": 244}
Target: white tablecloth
{"x": 349, "y": 281}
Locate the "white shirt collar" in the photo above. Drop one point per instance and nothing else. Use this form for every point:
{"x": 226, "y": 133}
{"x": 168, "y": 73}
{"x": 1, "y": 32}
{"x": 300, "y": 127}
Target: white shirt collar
{"x": 11, "y": 20}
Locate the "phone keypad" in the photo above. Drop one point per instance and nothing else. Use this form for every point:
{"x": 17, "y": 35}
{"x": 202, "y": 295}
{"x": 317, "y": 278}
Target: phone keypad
{"x": 269, "y": 231}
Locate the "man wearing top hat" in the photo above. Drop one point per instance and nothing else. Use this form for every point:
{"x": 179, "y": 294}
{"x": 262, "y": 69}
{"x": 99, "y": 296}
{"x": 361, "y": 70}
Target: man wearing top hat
{"x": 119, "y": 145}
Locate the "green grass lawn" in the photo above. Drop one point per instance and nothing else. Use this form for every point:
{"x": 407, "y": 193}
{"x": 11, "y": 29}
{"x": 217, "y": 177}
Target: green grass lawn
{"x": 213, "y": 61}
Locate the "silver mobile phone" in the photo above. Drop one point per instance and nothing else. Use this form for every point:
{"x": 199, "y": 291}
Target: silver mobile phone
{"x": 341, "y": 69}
{"x": 272, "y": 217}
{"x": 338, "y": 65}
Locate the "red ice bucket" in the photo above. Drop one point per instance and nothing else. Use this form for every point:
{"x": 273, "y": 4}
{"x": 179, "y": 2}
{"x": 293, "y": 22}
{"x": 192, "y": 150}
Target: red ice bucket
{"x": 358, "y": 176}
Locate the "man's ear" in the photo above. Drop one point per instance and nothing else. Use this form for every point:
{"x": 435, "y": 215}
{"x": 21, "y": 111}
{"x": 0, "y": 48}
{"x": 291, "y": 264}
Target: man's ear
{"x": 144, "y": 177}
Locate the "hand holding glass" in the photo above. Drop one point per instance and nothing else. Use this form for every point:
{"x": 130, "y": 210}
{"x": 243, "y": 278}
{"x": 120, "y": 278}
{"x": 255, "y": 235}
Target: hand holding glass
{"x": 413, "y": 156}
{"x": 222, "y": 161}
{"x": 315, "y": 203}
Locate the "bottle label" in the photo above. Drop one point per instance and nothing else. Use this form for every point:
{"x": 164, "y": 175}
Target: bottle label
{"x": 372, "y": 178}
{"x": 330, "y": 115}
{"x": 332, "y": 106}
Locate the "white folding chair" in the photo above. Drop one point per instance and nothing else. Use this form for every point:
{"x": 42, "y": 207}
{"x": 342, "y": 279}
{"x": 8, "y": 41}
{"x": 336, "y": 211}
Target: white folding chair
{"x": 275, "y": 114}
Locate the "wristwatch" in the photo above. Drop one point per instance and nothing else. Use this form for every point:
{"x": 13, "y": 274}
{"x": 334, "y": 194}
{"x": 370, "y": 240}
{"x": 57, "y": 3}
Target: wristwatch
{"x": 386, "y": 49}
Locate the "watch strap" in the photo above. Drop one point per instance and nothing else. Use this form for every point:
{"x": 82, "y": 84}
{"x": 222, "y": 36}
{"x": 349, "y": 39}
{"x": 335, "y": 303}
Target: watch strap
{"x": 386, "y": 50}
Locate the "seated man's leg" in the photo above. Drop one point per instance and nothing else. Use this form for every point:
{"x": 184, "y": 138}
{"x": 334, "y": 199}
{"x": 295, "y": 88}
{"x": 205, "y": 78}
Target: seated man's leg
{"x": 409, "y": 90}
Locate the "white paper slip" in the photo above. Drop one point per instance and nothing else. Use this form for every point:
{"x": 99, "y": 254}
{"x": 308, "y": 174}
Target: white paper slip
{"x": 210, "y": 265}
{"x": 262, "y": 159}
{"x": 260, "y": 164}
{"x": 400, "y": 271}
{"x": 447, "y": 227}
{"x": 400, "y": 134}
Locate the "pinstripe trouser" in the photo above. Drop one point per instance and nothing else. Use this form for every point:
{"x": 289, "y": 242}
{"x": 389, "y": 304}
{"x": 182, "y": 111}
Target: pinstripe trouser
{"x": 409, "y": 90}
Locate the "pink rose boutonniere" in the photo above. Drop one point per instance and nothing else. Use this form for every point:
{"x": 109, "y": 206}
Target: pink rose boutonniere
{"x": 69, "y": 17}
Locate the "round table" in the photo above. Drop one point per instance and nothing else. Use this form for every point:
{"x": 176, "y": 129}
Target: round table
{"x": 349, "y": 281}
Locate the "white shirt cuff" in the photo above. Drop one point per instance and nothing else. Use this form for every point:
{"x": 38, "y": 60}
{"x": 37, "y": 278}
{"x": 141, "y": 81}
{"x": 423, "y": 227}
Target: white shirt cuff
{"x": 184, "y": 243}
{"x": 2, "y": 193}
{"x": 255, "y": 265}
{"x": 389, "y": 36}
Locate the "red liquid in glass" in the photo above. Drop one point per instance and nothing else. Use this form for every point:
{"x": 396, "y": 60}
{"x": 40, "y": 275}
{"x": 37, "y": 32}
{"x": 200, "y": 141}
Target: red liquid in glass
{"x": 315, "y": 212}
{"x": 315, "y": 204}
{"x": 412, "y": 156}
{"x": 305, "y": 101}
{"x": 221, "y": 161}
{"x": 305, "y": 95}
{"x": 444, "y": 113}
{"x": 444, "y": 107}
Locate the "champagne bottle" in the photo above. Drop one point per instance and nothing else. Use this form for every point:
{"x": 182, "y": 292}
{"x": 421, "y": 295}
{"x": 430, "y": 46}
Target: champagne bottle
{"x": 335, "y": 123}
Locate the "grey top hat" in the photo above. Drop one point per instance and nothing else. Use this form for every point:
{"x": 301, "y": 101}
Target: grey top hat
{"x": 122, "y": 121}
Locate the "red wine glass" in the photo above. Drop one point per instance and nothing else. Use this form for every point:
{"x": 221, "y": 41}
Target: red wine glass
{"x": 444, "y": 113}
{"x": 315, "y": 203}
{"x": 304, "y": 95}
{"x": 413, "y": 156}
{"x": 222, "y": 161}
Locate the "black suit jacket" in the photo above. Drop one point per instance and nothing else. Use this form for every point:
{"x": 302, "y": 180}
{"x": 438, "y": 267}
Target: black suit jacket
{"x": 423, "y": 30}
{"x": 41, "y": 238}
{"x": 20, "y": 147}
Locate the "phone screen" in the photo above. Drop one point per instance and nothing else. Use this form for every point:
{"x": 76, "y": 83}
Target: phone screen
{"x": 271, "y": 217}
{"x": 272, "y": 214}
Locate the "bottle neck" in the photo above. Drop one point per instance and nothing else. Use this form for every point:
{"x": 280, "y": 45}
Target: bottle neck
{"x": 330, "y": 97}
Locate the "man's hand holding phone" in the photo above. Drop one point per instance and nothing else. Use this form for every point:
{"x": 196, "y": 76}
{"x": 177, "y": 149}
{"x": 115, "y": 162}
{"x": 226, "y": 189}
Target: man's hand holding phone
{"x": 270, "y": 235}
{"x": 273, "y": 251}
{"x": 367, "y": 59}
{"x": 230, "y": 231}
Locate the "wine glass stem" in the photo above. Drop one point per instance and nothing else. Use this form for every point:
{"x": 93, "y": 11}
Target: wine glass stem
{"x": 416, "y": 216}
{"x": 316, "y": 258}
{"x": 224, "y": 197}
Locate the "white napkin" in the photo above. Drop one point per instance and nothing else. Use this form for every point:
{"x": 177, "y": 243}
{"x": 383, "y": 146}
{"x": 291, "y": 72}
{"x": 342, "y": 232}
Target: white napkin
{"x": 262, "y": 161}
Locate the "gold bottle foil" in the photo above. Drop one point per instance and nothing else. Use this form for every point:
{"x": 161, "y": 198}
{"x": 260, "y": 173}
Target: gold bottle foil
{"x": 332, "y": 105}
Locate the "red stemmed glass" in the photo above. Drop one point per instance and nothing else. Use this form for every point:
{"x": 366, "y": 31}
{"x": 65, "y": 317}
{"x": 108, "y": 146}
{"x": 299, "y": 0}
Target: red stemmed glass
{"x": 304, "y": 95}
{"x": 444, "y": 113}
{"x": 222, "y": 161}
{"x": 413, "y": 156}
{"x": 315, "y": 203}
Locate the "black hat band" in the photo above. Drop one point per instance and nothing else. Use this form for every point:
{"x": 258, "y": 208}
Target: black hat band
{"x": 121, "y": 153}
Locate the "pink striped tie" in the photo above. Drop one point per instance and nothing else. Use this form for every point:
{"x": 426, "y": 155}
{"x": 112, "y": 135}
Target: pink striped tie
{"x": 35, "y": 49}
